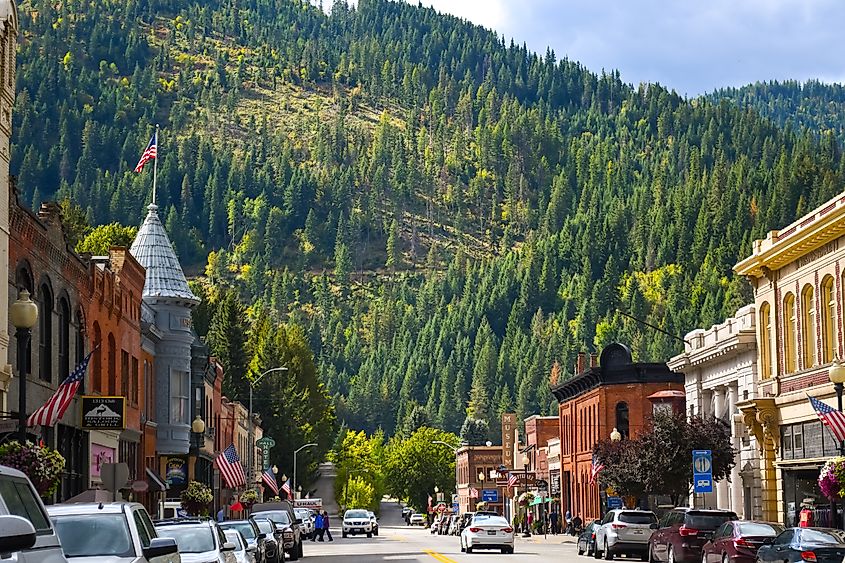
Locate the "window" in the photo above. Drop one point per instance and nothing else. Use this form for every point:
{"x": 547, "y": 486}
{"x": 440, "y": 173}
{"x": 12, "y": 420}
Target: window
{"x": 789, "y": 332}
{"x": 797, "y": 441}
{"x": 149, "y": 391}
{"x": 828, "y": 320}
{"x": 64, "y": 339}
{"x": 143, "y": 532}
{"x": 124, "y": 373}
{"x": 98, "y": 359}
{"x": 45, "y": 334}
{"x": 112, "y": 359}
{"x": 622, "y": 418}
{"x": 808, "y": 326}
{"x": 80, "y": 336}
{"x": 179, "y": 395}
{"x": 766, "y": 340}
{"x": 133, "y": 391}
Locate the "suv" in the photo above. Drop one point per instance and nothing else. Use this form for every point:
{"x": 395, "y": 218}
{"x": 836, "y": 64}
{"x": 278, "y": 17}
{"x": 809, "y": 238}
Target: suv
{"x": 285, "y": 519}
{"x": 199, "y": 540}
{"x": 357, "y": 521}
{"x": 306, "y": 515}
{"x": 119, "y": 531}
{"x": 273, "y": 541}
{"x": 682, "y": 532}
{"x": 25, "y": 530}
{"x": 624, "y": 532}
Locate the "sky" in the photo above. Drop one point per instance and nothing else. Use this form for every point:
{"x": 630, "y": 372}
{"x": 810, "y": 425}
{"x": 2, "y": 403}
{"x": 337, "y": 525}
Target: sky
{"x": 691, "y": 46}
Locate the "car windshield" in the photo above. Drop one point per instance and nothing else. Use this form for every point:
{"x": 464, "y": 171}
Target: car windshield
{"x": 94, "y": 535}
{"x": 355, "y": 514}
{"x": 707, "y": 521}
{"x": 189, "y": 539}
{"x": 637, "y": 517}
{"x": 758, "y": 529}
{"x": 243, "y": 527}
{"x": 277, "y": 516}
{"x": 303, "y": 513}
{"x": 234, "y": 537}
{"x": 819, "y": 536}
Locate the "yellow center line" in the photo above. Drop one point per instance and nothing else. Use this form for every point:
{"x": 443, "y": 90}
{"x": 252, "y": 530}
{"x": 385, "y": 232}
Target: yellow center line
{"x": 439, "y": 556}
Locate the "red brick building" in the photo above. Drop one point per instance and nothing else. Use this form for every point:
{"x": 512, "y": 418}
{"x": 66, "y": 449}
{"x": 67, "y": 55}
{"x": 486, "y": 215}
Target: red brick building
{"x": 613, "y": 394}
{"x": 472, "y": 462}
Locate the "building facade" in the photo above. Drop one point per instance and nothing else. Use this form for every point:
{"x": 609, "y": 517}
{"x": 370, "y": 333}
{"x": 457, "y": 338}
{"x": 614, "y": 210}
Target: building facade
{"x": 720, "y": 368}
{"x": 797, "y": 276}
{"x": 476, "y": 467}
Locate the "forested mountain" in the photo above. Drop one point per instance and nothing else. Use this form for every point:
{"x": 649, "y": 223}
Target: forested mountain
{"x": 446, "y": 215}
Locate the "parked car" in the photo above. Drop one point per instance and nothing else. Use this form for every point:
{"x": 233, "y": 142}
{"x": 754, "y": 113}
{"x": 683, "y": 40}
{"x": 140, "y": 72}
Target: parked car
{"x": 818, "y": 545}
{"x": 417, "y": 519}
{"x": 738, "y": 541}
{"x": 487, "y": 532}
{"x": 307, "y": 517}
{"x": 625, "y": 532}
{"x": 273, "y": 550}
{"x": 679, "y": 536}
{"x": 466, "y": 518}
{"x": 199, "y": 540}
{"x": 241, "y": 554}
{"x": 435, "y": 523}
{"x": 119, "y": 531}
{"x": 26, "y": 533}
{"x": 356, "y": 521}
{"x": 455, "y": 525}
{"x": 587, "y": 539}
{"x": 374, "y": 522}
{"x": 282, "y": 515}
{"x": 256, "y": 540}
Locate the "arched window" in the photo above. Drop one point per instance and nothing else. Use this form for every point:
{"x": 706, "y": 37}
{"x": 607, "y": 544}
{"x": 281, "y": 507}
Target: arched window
{"x": 808, "y": 326}
{"x": 97, "y": 375}
{"x": 622, "y": 418}
{"x": 80, "y": 336}
{"x": 64, "y": 339}
{"x": 828, "y": 320}
{"x": 112, "y": 359}
{"x": 765, "y": 341}
{"x": 789, "y": 333}
{"x": 45, "y": 334}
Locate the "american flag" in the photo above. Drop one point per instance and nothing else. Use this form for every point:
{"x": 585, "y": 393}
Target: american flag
{"x": 513, "y": 479}
{"x": 286, "y": 489}
{"x": 230, "y": 467}
{"x": 830, "y": 417}
{"x": 53, "y": 409}
{"x": 473, "y": 492}
{"x": 270, "y": 480}
{"x": 149, "y": 153}
{"x": 597, "y": 466}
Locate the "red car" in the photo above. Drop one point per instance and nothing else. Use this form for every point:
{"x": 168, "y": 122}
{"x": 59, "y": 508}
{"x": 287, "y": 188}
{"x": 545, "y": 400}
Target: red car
{"x": 738, "y": 541}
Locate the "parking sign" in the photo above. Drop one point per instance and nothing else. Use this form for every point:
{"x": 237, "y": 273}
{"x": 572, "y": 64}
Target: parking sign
{"x": 702, "y": 471}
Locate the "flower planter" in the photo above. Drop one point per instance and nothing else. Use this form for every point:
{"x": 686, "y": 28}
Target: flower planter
{"x": 832, "y": 478}
{"x": 41, "y": 464}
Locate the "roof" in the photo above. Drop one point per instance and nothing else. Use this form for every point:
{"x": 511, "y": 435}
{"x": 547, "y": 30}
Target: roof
{"x": 8, "y": 14}
{"x": 90, "y": 508}
{"x": 152, "y": 249}
{"x": 668, "y": 394}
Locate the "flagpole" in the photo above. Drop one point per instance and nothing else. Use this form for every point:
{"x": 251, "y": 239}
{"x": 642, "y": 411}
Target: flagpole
{"x": 155, "y": 166}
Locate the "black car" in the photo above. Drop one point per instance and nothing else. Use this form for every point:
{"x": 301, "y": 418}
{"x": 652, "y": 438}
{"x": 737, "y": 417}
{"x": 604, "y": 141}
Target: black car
{"x": 273, "y": 551}
{"x": 587, "y": 539}
{"x": 818, "y": 545}
{"x": 255, "y": 539}
{"x": 288, "y": 531}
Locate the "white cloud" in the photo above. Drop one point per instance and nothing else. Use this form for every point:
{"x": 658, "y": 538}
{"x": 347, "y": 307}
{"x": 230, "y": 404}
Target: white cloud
{"x": 488, "y": 13}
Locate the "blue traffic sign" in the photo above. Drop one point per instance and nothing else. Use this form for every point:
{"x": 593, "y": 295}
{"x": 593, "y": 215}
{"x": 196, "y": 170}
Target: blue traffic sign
{"x": 490, "y": 495}
{"x": 702, "y": 471}
{"x": 614, "y": 503}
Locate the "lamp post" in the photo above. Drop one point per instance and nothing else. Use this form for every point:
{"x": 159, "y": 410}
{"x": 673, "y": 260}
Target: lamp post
{"x": 293, "y": 483}
{"x": 448, "y": 445}
{"x": 837, "y": 377}
{"x": 251, "y": 457}
{"x": 24, "y": 314}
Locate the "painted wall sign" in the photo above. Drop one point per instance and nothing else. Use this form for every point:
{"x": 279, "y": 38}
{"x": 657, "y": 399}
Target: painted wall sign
{"x": 100, "y": 455}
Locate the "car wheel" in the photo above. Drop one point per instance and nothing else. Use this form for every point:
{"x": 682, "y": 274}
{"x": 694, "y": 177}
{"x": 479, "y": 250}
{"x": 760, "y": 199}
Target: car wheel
{"x": 505, "y": 551}
{"x": 293, "y": 554}
{"x": 671, "y": 558}
{"x": 369, "y": 534}
{"x": 596, "y": 552}
{"x": 343, "y": 534}
{"x": 725, "y": 558}
{"x": 651, "y": 557}
{"x": 608, "y": 555}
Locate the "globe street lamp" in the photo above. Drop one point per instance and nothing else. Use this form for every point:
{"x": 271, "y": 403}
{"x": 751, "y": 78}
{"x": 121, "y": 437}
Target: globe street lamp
{"x": 615, "y": 436}
{"x": 197, "y": 429}
{"x": 837, "y": 377}
{"x": 24, "y": 314}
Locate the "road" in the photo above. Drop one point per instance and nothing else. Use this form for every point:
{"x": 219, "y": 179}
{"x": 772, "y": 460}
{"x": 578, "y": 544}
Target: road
{"x": 397, "y": 542}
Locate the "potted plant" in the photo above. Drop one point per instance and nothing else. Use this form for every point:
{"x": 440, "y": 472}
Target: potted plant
{"x": 832, "y": 478}
{"x": 41, "y": 464}
{"x": 248, "y": 498}
{"x": 195, "y": 499}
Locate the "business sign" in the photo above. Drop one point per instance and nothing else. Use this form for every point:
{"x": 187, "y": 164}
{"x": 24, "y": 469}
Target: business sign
{"x": 490, "y": 495}
{"x": 103, "y": 413}
{"x": 508, "y": 427}
{"x": 702, "y": 471}
{"x": 312, "y": 503}
{"x": 265, "y": 444}
{"x": 176, "y": 471}
{"x": 100, "y": 456}
{"x": 614, "y": 503}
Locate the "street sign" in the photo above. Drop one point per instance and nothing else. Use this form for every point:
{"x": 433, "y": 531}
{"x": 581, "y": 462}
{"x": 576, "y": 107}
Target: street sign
{"x": 614, "y": 503}
{"x": 702, "y": 471}
{"x": 456, "y": 507}
{"x": 265, "y": 444}
{"x": 114, "y": 475}
{"x": 490, "y": 495}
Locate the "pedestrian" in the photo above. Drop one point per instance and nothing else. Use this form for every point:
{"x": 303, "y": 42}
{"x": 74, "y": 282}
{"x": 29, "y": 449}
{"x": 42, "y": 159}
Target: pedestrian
{"x": 567, "y": 521}
{"x": 554, "y": 518}
{"x": 326, "y": 526}
{"x": 577, "y": 523}
{"x": 318, "y": 527}
{"x": 529, "y": 519}
{"x": 221, "y": 514}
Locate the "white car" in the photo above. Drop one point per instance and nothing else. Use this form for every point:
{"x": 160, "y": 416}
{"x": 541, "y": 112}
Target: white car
{"x": 114, "y": 532}
{"x": 626, "y": 532}
{"x": 307, "y": 516}
{"x": 199, "y": 540}
{"x": 487, "y": 532}
{"x": 373, "y": 521}
{"x": 357, "y": 522}
{"x": 417, "y": 519}
{"x": 240, "y": 551}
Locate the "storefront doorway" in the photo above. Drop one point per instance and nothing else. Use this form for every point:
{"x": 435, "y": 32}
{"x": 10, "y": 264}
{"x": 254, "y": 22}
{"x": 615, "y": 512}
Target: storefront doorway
{"x": 801, "y": 489}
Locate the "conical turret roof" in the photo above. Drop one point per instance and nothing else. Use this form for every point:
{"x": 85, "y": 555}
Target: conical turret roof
{"x": 152, "y": 249}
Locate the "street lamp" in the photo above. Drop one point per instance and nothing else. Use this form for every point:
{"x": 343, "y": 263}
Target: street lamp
{"x": 251, "y": 457}
{"x": 481, "y": 476}
{"x": 197, "y": 429}
{"x": 837, "y": 377}
{"x": 24, "y": 314}
{"x": 275, "y": 470}
{"x": 448, "y": 445}
{"x": 293, "y": 483}
{"x": 615, "y": 436}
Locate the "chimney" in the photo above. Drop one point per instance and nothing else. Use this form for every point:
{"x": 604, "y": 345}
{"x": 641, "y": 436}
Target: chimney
{"x": 594, "y": 360}
{"x": 581, "y": 366}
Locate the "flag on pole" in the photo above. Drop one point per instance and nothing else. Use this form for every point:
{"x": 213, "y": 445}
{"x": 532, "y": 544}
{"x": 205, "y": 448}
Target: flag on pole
{"x": 52, "y": 410}
{"x": 149, "y": 153}
{"x": 830, "y": 417}
{"x": 286, "y": 489}
{"x": 513, "y": 479}
{"x": 597, "y": 466}
{"x": 270, "y": 480}
{"x": 230, "y": 467}
{"x": 473, "y": 492}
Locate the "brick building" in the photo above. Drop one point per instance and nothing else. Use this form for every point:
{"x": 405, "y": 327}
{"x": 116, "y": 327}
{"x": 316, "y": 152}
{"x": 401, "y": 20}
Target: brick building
{"x": 475, "y": 467}
{"x": 613, "y": 394}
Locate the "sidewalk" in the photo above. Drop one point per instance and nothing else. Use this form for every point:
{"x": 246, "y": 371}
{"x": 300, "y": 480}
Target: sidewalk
{"x": 549, "y": 539}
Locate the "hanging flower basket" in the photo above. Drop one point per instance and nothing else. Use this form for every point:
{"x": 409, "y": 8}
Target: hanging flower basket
{"x": 526, "y": 498}
{"x": 249, "y": 497}
{"x": 832, "y": 478}
{"x": 41, "y": 464}
{"x": 196, "y": 498}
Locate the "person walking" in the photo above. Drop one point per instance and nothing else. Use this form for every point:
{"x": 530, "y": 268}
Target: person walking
{"x": 221, "y": 514}
{"x": 326, "y": 527}
{"x": 554, "y": 518}
{"x": 318, "y": 528}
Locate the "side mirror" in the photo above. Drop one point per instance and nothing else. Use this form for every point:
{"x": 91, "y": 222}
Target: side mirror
{"x": 228, "y": 546}
{"x": 262, "y": 536}
{"x": 299, "y": 520}
{"x": 160, "y": 547}
{"x": 17, "y": 534}
{"x": 653, "y": 526}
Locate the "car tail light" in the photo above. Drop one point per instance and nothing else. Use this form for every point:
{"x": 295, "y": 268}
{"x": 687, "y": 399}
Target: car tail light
{"x": 808, "y": 556}
{"x": 742, "y": 542}
{"x": 593, "y": 536}
{"x": 618, "y": 526}
{"x": 475, "y": 530}
{"x": 507, "y": 530}
{"x": 684, "y": 531}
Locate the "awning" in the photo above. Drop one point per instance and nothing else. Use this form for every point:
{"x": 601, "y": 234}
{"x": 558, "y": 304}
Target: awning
{"x": 156, "y": 484}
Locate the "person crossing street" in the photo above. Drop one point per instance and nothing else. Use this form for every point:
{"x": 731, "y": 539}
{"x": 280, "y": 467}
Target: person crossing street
{"x": 326, "y": 526}
{"x": 318, "y": 528}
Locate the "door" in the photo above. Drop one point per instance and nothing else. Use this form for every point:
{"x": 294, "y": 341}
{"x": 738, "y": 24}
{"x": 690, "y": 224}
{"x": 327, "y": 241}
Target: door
{"x": 778, "y": 550}
{"x": 712, "y": 551}
{"x": 659, "y": 538}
